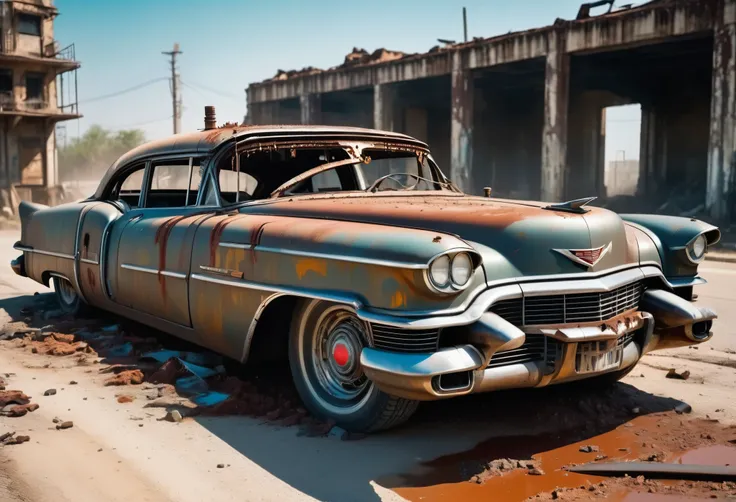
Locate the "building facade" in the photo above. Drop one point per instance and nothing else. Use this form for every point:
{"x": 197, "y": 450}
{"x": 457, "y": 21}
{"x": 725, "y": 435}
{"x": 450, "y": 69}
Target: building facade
{"x": 524, "y": 112}
{"x": 37, "y": 91}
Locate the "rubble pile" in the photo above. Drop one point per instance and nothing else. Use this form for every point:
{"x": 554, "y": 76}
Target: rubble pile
{"x": 356, "y": 57}
{"x": 185, "y": 383}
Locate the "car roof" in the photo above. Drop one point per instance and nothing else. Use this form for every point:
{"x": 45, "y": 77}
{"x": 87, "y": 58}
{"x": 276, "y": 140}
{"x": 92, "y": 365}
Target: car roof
{"x": 203, "y": 142}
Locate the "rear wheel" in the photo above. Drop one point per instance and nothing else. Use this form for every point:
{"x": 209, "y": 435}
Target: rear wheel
{"x": 69, "y": 301}
{"x": 324, "y": 353}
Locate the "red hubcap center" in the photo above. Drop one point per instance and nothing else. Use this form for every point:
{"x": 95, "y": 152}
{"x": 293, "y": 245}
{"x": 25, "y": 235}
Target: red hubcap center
{"x": 340, "y": 354}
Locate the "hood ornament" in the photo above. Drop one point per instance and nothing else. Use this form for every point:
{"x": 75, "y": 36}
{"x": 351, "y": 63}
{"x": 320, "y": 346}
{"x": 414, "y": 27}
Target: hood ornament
{"x": 586, "y": 257}
{"x": 572, "y": 206}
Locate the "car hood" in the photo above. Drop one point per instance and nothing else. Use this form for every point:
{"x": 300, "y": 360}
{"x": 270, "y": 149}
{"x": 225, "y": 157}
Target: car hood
{"x": 514, "y": 237}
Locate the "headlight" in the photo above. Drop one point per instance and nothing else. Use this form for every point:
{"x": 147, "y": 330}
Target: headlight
{"x": 461, "y": 270}
{"x": 696, "y": 249}
{"x": 439, "y": 271}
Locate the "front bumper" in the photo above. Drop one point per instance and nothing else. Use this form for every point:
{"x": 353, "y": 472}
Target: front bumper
{"x": 471, "y": 368}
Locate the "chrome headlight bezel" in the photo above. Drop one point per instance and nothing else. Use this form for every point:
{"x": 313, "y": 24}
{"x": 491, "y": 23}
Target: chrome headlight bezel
{"x": 695, "y": 249}
{"x": 448, "y": 259}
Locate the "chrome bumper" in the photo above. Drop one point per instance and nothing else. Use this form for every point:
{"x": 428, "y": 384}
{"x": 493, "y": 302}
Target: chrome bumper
{"x": 18, "y": 266}
{"x": 464, "y": 369}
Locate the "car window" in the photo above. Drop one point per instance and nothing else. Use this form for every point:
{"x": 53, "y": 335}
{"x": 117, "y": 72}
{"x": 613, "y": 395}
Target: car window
{"x": 174, "y": 183}
{"x": 129, "y": 188}
{"x": 229, "y": 185}
{"x": 327, "y": 181}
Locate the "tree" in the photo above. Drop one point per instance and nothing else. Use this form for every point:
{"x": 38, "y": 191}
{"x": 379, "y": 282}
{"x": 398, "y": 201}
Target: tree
{"x": 88, "y": 157}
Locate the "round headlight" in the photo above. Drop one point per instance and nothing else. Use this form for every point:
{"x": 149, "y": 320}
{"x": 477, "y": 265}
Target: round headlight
{"x": 462, "y": 268}
{"x": 696, "y": 249}
{"x": 439, "y": 271}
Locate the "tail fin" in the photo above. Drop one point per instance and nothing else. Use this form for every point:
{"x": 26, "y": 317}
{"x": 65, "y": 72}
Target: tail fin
{"x": 25, "y": 211}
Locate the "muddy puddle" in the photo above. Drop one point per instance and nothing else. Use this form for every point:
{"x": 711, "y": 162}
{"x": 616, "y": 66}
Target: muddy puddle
{"x": 515, "y": 468}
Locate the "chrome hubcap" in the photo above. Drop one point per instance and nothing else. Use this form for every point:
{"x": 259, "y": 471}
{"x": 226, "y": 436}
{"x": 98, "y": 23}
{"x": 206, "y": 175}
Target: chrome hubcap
{"x": 339, "y": 338}
{"x": 66, "y": 291}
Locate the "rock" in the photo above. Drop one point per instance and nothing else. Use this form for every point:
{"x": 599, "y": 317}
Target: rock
{"x": 601, "y": 457}
{"x": 536, "y": 472}
{"x": 6, "y": 436}
{"x": 589, "y": 449}
{"x": 220, "y": 466}
{"x": 173, "y": 416}
{"x": 128, "y": 377}
{"x": 636, "y": 411}
{"x": 353, "y": 436}
{"x": 65, "y": 425}
{"x": 56, "y": 420}
{"x": 683, "y": 408}
{"x": 555, "y": 494}
{"x": 19, "y": 440}
{"x": 337, "y": 432}
{"x": 672, "y": 373}
{"x": 50, "y": 392}
{"x": 125, "y": 399}
{"x": 72, "y": 383}
{"x": 623, "y": 449}
{"x": 476, "y": 479}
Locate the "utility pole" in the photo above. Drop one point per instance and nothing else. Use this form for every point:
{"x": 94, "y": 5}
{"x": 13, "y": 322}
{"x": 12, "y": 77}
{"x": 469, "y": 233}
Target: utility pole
{"x": 175, "y": 98}
{"x": 465, "y": 24}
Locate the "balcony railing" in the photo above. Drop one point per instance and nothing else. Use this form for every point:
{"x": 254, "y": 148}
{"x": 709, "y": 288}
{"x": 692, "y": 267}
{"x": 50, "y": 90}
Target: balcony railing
{"x": 51, "y": 50}
{"x": 8, "y": 103}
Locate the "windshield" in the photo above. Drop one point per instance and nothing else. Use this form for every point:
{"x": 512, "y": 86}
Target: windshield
{"x": 292, "y": 171}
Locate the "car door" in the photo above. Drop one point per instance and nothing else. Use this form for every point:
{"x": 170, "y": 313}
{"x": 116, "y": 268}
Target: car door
{"x": 98, "y": 220}
{"x": 154, "y": 247}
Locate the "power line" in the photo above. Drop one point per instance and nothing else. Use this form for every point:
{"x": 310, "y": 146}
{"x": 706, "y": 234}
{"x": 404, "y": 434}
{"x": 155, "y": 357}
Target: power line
{"x": 209, "y": 89}
{"x": 124, "y": 91}
{"x": 139, "y": 124}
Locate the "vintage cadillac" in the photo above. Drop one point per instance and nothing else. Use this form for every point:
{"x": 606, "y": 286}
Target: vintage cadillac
{"x": 348, "y": 251}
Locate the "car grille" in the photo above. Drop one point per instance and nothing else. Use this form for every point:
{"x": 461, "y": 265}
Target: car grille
{"x": 404, "y": 340}
{"x": 536, "y": 348}
{"x": 569, "y": 308}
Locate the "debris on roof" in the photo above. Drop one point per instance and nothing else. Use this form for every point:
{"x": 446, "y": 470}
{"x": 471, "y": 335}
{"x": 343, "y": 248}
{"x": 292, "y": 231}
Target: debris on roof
{"x": 356, "y": 57}
{"x": 285, "y": 75}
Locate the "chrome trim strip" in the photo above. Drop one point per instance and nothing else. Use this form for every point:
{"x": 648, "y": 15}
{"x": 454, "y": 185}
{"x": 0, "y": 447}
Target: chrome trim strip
{"x": 353, "y": 259}
{"x": 682, "y": 282}
{"x": 572, "y": 286}
{"x": 60, "y": 276}
{"x": 306, "y": 293}
{"x": 148, "y": 270}
{"x": 48, "y": 253}
{"x": 89, "y": 261}
{"x": 22, "y": 248}
{"x": 235, "y": 245}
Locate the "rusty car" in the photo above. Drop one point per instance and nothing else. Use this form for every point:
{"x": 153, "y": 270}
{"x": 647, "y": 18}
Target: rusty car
{"x": 348, "y": 252}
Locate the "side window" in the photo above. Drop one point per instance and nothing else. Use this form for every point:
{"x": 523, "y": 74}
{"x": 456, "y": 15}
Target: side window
{"x": 174, "y": 183}
{"x": 229, "y": 185}
{"x": 129, "y": 188}
{"x": 327, "y": 181}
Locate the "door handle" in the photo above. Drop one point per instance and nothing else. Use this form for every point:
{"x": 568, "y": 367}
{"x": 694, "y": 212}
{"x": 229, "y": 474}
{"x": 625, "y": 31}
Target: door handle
{"x": 136, "y": 217}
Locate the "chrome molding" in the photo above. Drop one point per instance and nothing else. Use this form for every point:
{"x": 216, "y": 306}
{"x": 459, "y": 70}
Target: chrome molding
{"x": 235, "y": 245}
{"x": 149, "y": 270}
{"x": 46, "y": 253}
{"x": 336, "y": 257}
{"x": 89, "y": 261}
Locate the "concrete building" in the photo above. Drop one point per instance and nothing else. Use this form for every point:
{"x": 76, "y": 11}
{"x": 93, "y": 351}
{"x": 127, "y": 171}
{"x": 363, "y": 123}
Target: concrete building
{"x": 37, "y": 90}
{"x": 522, "y": 112}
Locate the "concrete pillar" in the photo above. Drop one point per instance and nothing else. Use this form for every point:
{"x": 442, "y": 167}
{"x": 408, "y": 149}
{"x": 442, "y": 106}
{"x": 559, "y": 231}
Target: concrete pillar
{"x": 461, "y": 125}
{"x": 311, "y": 108}
{"x": 554, "y": 135}
{"x": 383, "y": 107}
{"x": 722, "y": 143}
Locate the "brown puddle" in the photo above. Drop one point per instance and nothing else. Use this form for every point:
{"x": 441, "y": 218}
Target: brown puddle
{"x": 467, "y": 476}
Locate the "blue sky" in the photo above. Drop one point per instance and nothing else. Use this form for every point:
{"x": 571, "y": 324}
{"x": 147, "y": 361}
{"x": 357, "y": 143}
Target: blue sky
{"x": 228, "y": 44}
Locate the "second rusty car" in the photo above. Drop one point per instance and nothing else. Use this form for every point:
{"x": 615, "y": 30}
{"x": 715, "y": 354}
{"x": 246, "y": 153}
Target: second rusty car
{"x": 350, "y": 252}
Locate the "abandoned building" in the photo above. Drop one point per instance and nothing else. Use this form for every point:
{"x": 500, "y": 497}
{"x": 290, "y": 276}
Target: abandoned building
{"x": 36, "y": 92}
{"x": 524, "y": 112}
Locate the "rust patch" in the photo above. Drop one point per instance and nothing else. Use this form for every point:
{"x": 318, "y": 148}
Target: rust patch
{"x": 398, "y": 300}
{"x": 216, "y": 234}
{"x": 91, "y": 279}
{"x": 161, "y": 239}
{"x": 255, "y": 239}
{"x": 305, "y": 265}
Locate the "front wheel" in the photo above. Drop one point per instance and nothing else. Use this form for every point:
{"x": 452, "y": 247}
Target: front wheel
{"x": 325, "y": 343}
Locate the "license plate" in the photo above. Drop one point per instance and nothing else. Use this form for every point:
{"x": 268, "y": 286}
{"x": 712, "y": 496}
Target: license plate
{"x": 594, "y": 357}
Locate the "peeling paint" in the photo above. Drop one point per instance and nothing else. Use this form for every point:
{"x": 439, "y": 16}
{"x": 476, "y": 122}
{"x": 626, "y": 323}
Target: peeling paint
{"x": 305, "y": 265}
